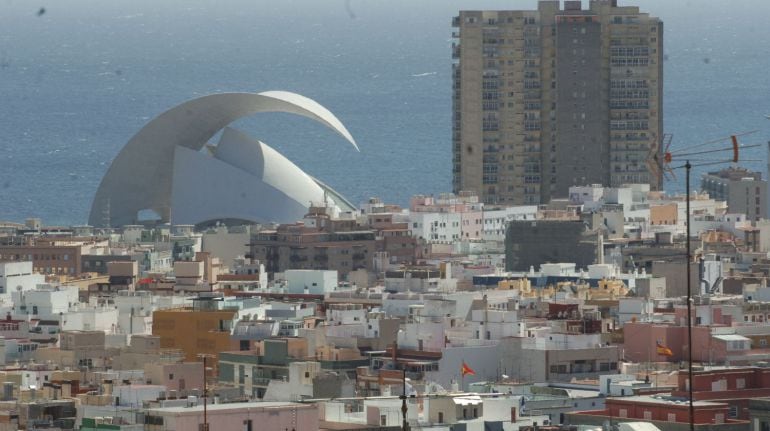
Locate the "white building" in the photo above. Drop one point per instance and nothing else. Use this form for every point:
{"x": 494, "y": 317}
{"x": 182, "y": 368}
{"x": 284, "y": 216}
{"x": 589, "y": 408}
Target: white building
{"x": 595, "y": 196}
{"x": 436, "y": 227}
{"x": 310, "y": 281}
{"x": 496, "y": 221}
{"x": 45, "y": 302}
{"x": 17, "y": 277}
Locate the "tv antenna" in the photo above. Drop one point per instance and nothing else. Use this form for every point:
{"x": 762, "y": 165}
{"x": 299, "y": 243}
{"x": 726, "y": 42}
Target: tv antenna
{"x": 712, "y": 152}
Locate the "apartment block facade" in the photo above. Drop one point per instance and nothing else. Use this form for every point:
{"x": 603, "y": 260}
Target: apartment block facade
{"x": 549, "y": 98}
{"x": 744, "y": 191}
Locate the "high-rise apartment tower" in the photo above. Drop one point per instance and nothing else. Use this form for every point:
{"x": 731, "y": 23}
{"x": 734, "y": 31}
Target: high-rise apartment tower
{"x": 549, "y": 98}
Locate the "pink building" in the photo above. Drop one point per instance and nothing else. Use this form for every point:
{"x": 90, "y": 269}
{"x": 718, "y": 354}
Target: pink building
{"x": 712, "y": 338}
{"x": 640, "y": 341}
{"x": 236, "y": 416}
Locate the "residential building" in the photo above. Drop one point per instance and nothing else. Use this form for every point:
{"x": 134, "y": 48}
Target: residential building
{"x": 662, "y": 410}
{"x": 318, "y": 242}
{"x": 61, "y": 256}
{"x": 744, "y": 191}
{"x": 83, "y": 350}
{"x": 17, "y": 277}
{"x": 208, "y": 329}
{"x": 314, "y": 282}
{"x": 241, "y": 416}
{"x": 734, "y": 386}
{"x": 529, "y": 244}
{"x": 550, "y": 98}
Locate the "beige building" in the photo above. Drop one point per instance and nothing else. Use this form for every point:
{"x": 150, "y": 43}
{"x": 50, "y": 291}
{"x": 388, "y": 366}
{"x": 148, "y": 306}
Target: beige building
{"x": 83, "y": 350}
{"x": 549, "y": 98}
{"x": 145, "y": 349}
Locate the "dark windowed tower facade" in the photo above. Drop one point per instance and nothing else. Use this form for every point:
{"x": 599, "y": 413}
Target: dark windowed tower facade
{"x": 550, "y": 98}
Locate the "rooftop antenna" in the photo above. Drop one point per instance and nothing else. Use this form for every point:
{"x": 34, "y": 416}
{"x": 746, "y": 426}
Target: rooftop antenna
{"x": 700, "y": 155}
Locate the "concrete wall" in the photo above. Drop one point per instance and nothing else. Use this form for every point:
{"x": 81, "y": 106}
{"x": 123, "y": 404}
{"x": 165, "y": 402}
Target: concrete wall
{"x": 676, "y": 277}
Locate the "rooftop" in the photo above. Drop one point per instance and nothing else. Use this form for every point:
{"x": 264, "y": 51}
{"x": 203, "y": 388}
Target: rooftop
{"x": 665, "y": 399}
{"x": 228, "y": 406}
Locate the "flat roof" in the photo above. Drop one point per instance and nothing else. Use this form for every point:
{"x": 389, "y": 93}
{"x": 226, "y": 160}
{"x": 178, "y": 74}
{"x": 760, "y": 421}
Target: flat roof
{"x": 731, "y": 337}
{"x": 227, "y": 406}
{"x": 666, "y": 400}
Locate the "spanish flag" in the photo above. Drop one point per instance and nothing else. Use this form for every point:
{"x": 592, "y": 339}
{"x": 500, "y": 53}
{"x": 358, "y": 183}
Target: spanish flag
{"x": 465, "y": 369}
{"x": 663, "y": 350}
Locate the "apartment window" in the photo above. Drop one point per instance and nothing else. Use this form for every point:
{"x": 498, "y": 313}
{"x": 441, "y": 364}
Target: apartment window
{"x": 623, "y": 413}
{"x": 672, "y": 417}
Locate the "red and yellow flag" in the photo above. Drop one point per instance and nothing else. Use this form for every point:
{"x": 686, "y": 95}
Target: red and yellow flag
{"x": 465, "y": 369}
{"x": 663, "y": 350}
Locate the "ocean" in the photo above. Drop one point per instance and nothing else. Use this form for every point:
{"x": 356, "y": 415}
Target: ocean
{"x": 78, "y": 78}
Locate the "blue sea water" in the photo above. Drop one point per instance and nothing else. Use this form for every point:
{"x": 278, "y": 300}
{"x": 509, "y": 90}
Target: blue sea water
{"x": 77, "y": 81}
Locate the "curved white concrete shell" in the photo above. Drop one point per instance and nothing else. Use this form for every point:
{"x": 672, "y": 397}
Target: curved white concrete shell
{"x": 162, "y": 169}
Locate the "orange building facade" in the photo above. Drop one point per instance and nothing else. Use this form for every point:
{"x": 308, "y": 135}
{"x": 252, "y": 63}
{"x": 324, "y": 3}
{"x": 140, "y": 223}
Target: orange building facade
{"x": 195, "y": 332}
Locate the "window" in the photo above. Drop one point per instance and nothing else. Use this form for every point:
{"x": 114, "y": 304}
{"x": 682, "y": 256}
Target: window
{"x": 154, "y": 420}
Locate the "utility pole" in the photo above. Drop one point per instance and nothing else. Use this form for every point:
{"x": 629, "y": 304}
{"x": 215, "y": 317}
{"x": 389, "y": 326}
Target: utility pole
{"x": 404, "y": 408}
{"x": 687, "y": 167}
{"x": 205, "y": 425}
